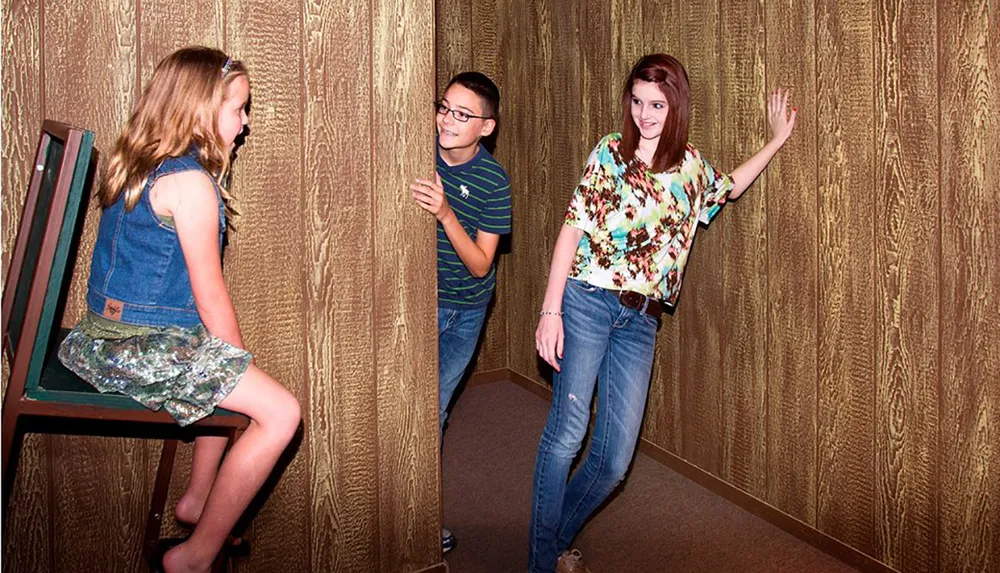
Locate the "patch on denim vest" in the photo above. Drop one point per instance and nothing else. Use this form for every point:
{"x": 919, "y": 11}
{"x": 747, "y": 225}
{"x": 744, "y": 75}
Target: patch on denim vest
{"x": 113, "y": 309}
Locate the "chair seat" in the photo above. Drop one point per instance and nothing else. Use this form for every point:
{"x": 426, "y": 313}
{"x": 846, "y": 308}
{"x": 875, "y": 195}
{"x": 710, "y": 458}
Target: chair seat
{"x": 59, "y": 385}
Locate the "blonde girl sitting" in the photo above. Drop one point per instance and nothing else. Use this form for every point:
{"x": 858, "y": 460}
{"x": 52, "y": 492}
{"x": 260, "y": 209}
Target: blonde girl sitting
{"x": 160, "y": 325}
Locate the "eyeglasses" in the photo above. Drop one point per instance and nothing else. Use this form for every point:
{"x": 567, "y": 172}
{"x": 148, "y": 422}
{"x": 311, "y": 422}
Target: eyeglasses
{"x": 458, "y": 114}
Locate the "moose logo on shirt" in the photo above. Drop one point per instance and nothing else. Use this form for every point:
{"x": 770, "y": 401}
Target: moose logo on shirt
{"x": 464, "y": 190}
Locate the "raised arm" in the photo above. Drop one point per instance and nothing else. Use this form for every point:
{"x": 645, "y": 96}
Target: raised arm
{"x": 781, "y": 122}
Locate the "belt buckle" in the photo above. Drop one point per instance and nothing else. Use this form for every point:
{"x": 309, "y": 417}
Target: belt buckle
{"x": 634, "y": 300}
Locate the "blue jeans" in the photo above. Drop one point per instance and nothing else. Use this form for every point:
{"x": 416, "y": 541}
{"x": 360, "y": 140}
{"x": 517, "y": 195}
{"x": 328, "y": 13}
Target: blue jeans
{"x": 614, "y": 345}
{"x": 458, "y": 332}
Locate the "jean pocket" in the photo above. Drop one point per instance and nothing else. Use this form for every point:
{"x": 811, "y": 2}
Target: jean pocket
{"x": 583, "y": 286}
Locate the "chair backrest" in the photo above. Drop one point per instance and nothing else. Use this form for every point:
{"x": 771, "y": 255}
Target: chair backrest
{"x": 38, "y": 263}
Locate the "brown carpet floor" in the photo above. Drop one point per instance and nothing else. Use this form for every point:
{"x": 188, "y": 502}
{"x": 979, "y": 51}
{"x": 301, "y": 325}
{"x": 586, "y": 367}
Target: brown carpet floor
{"x": 657, "y": 521}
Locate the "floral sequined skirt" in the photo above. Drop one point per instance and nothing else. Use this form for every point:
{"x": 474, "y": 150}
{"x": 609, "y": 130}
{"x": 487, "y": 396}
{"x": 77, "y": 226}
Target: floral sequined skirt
{"x": 187, "y": 371}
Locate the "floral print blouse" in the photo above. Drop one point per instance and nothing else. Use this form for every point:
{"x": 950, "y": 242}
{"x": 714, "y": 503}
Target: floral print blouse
{"x": 639, "y": 225}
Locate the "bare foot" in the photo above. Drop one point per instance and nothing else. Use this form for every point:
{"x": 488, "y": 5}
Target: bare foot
{"x": 188, "y": 510}
{"x": 181, "y": 560}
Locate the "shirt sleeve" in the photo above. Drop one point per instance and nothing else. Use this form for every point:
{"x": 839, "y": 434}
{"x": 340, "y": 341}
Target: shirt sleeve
{"x": 495, "y": 217}
{"x": 587, "y": 202}
{"x": 715, "y": 189}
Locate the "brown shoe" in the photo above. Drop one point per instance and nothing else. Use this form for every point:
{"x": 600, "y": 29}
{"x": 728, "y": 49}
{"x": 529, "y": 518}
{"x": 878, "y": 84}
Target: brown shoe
{"x": 571, "y": 562}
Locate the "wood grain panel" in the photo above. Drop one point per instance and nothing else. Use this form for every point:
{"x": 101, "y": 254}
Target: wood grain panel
{"x": 343, "y": 418}
{"x": 27, "y": 539}
{"x": 745, "y": 272}
{"x": 512, "y": 113}
{"x": 627, "y": 17}
{"x": 402, "y": 140}
{"x": 661, "y": 26}
{"x": 164, "y": 27}
{"x": 569, "y": 147}
{"x": 453, "y": 40}
{"x": 23, "y": 110}
{"x": 101, "y": 498}
{"x": 792, "y": 256}
{"x": 969, "y": 478}
{"x": 700, "y": 317}
{"x": 265, "y": 262}
{"x": 99, "y": 487}
{"x": 528, "y": 31}
{"x": 486, "y": 41}
{"x": 845, "y": 338}
{"x": 542, "y": 161}
{"x": 491, "y": 353}
{"x": 906, "y": 259}
{"x": 599, "y": 89}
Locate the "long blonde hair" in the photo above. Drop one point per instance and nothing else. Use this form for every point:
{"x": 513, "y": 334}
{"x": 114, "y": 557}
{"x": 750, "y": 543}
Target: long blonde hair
{"x": 178, "y": 108}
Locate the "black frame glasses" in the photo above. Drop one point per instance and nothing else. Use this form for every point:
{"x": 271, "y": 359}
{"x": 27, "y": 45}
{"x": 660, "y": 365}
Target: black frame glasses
{"x": 459, "y": 115}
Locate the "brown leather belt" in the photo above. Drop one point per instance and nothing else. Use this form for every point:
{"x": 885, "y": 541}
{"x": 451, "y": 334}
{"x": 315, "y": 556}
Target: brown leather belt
{"x": 640, "y": 302}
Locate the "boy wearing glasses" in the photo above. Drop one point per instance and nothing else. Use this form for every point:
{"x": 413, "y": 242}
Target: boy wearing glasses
{"x": 470, "y": 196}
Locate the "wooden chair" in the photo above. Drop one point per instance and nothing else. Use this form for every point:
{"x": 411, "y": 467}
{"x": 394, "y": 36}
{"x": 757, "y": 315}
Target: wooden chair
{"x": 40, "y": 388}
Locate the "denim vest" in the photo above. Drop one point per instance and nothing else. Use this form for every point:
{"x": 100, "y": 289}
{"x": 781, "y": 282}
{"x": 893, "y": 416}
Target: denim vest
{"x": 138, "y": 274}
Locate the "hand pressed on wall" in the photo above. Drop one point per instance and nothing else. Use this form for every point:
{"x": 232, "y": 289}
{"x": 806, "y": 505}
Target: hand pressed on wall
{"x": 778, "y": 117}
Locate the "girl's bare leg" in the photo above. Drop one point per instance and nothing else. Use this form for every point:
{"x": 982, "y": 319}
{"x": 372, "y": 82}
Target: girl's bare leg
{"x": 274, "y": 417}
{"x": 208, "y": 452}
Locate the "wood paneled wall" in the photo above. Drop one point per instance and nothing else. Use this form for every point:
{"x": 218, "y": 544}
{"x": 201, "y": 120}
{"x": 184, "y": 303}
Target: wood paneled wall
{"x": 834, "y": 351}
{"x": 331, "y": 269}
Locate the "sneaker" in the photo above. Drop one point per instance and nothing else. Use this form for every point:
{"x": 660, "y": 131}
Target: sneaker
{"x": 448, "y": 541}
{"x": 571, "y": 562}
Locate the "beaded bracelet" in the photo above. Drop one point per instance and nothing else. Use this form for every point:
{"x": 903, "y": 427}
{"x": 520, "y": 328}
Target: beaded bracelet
{"x": 550, "y": 313}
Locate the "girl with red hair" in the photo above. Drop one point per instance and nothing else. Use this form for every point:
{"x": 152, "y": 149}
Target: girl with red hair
{"x": 617, "y": 264}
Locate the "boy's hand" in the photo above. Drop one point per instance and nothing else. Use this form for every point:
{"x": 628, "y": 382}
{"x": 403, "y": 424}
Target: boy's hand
{"x": 430, "y": 196}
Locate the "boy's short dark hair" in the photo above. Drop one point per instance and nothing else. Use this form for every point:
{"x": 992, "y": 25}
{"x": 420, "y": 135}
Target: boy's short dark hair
{"x": 483, "y": 87}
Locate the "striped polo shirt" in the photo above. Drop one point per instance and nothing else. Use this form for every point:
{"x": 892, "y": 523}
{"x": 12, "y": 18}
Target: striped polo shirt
{"x": 479, "y": 193}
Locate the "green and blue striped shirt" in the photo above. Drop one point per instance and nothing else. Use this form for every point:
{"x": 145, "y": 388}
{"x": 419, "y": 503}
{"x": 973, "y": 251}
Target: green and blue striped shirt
{"x": 479, "y": 193}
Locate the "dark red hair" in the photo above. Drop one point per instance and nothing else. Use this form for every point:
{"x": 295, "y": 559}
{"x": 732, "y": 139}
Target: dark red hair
{"x": 669, "y": 75}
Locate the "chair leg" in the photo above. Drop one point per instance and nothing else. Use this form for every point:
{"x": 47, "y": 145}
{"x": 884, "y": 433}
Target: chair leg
{"x": 160, "y": 491}
{"x": 11, "y": 444}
